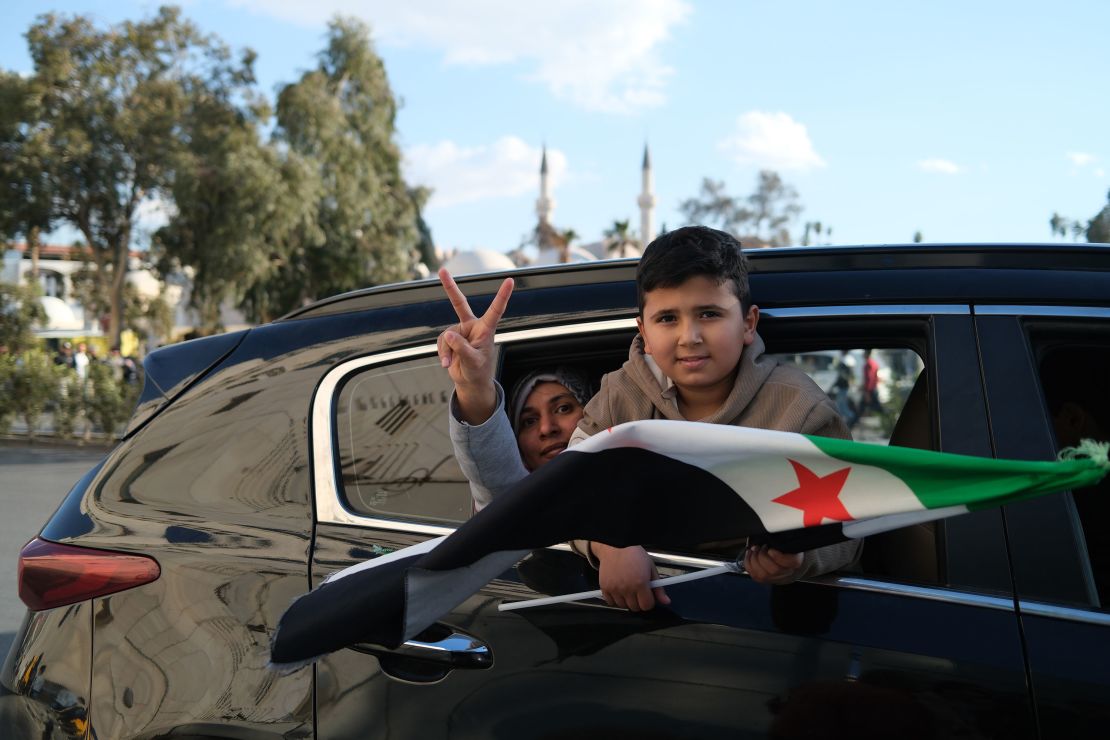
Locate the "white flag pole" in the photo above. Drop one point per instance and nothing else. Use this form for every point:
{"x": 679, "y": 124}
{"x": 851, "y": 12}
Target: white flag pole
{"x": 672, "y": 580}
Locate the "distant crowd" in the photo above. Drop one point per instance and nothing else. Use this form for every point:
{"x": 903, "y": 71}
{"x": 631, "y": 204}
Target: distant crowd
{"x": 124, "y": 369}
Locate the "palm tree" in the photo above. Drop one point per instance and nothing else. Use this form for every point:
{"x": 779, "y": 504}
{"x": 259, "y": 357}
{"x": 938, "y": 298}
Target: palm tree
{"x": 566, "y": 237}
{"x": 620, "y": 236}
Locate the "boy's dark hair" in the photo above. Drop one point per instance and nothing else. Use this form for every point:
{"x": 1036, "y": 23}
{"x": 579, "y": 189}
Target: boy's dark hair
{"x": 692, "y": 251}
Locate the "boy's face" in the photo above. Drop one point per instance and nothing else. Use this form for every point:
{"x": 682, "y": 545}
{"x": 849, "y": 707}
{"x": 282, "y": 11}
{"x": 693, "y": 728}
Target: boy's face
{"x": 696, "y": 332}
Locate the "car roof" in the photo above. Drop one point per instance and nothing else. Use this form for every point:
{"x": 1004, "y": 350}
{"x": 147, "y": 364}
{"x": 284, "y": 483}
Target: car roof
{"x": 1081, "y": 257}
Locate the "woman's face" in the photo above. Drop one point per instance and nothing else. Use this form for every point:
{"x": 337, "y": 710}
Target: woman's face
{"x": 548, "y": 418}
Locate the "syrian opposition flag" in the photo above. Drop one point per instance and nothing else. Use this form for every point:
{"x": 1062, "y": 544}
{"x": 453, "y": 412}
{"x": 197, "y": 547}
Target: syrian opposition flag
{"x": 668, "y": 485}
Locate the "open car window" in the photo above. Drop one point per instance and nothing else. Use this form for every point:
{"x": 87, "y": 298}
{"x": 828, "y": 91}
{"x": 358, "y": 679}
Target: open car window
{"x": 396, "y": 460}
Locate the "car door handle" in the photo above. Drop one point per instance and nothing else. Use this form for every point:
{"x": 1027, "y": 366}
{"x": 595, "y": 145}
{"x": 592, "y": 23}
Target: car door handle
{"x": 455, "y": 649}
{"x": 439, "y": 644}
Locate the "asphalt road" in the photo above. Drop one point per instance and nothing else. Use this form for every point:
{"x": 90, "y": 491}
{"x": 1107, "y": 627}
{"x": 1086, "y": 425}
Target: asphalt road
{"x": 33, "y": 481}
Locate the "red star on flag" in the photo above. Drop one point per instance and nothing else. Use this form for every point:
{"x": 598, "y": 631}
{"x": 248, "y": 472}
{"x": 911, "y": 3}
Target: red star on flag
{"x": 817, "y": 496}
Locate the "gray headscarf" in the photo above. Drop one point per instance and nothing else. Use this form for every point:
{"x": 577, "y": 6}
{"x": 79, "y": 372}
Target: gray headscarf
{"x": 573, "y": 380}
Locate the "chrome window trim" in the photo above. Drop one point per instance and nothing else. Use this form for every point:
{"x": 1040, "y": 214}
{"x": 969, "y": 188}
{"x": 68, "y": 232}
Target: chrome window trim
{"x": 1077, "y": 312}
{"x": 930, "y": 593}
{"x": 329, "y": 507}
{"x": 1070, "y": 614}
{"x": 945, "y": 309}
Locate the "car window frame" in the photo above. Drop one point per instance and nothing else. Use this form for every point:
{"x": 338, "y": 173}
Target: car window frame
{"x": 1028, "y": 318}
{"x": 327, "y": 488}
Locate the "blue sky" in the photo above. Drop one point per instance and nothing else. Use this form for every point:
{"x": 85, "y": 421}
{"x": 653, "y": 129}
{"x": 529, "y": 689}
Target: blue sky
{"x": 968, "y": 121}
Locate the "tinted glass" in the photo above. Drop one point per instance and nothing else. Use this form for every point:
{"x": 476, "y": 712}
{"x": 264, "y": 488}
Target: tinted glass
{"x": 395, "y": 453}
{"x": 1076, "y": 384}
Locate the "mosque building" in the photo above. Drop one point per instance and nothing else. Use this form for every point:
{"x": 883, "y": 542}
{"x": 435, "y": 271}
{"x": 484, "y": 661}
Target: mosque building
{"x": 551, "y": 245}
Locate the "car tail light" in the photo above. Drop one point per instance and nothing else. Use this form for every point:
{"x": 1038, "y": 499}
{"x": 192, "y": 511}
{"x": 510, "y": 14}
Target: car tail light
{"x": 53, "y": 575}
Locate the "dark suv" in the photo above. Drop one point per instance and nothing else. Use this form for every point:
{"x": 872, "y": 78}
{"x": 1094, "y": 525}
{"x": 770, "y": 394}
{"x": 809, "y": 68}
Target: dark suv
{"x": 258, "y": 462}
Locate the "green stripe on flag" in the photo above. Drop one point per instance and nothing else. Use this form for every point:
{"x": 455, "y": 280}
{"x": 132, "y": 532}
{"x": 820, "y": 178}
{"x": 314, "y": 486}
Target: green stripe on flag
{"x": 940, "y": 479}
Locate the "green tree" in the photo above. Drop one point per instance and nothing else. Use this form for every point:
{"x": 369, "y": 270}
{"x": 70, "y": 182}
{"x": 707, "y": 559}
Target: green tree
{"x": 715, "y": 207}
{"x": 107, "y": 104}
{"x": 366, "y": 229}
{"x": 773, "y": 205}
{"x": 69, "y": 401}
{"x": 26, "y": 194}
{"x": 620, "y": 238}
{"x": 33, "y": 384}
{"x": 237, "y": 202}
{"x": 1098, "y": 228}
{"x": 764, "y": 217}
{"x": 8, "y": 368}
{"x": 814, "y": 231}
{"x": 20, "y": 312}
{"x": 108, "y": 401}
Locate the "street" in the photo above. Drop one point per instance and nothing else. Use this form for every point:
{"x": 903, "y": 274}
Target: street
{"x": 33, "y": 481}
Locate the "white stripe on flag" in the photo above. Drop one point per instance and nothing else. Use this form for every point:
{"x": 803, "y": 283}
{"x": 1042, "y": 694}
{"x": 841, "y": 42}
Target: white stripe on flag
{"x": 756, "y": 463}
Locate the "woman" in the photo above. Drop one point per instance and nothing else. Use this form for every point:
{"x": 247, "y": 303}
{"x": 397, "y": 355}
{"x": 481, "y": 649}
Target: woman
{"x": 543, "y": 411}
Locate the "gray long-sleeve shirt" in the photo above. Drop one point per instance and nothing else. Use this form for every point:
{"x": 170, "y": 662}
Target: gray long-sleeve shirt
{"x": 487, "y": 453}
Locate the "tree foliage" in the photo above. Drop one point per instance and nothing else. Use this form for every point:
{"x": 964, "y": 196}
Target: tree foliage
{"x": 764, "y": 217}
{"x": 26, "y": 203}
{"x": 365, "y": 228}
{"x": 32, "y": 381}
{"x": 20, "y": 313}
{"x": 619, "y": 238}
{"x": 237, "y": 201}
{"x": 101, "y": 121}
{"x": 1096, "y": 230}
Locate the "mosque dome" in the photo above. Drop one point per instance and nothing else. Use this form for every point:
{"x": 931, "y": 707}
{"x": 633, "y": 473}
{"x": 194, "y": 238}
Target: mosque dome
{"x": 478, "y": 260}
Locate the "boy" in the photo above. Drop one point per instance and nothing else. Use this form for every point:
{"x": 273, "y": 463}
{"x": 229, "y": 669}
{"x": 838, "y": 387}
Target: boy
{"x": 698, "y": 357}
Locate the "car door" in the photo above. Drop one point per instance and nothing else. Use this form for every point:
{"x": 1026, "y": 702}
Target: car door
{"x": 1037, "y": 360}
{"x": 731, "y": 657}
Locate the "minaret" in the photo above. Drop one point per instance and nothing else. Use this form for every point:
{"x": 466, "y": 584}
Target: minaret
{"x": 646, "y": 201}
{"x": 545, "y": 204}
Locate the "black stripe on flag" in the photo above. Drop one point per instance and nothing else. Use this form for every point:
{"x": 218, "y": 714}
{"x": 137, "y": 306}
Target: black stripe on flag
{"x": 622, "y": 496}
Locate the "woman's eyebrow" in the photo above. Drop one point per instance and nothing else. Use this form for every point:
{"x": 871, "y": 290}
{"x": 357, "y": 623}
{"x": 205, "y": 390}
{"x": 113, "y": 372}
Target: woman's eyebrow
{"x": 559, "y": 398}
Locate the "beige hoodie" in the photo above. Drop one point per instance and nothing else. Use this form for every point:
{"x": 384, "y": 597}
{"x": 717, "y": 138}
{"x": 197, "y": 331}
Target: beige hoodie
{"x": 766, "y": 395}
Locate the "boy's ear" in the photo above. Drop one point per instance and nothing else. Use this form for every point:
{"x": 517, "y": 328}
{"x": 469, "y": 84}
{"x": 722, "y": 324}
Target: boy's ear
{"x": 750, "y": 322}
{"x": 640, "y": 328}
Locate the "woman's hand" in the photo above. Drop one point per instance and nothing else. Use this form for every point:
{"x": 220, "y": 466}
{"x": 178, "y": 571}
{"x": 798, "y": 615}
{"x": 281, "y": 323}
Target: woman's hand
{"x": 466, "y": 349}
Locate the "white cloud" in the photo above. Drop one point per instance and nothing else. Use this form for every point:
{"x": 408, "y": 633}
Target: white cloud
{"x": 1099, "y": 172}
{"x": 940, "y": 166}
{"x": 508, "y": 167}
{"x": 771, "y": 140}
{"x": 1079, "y": 159}
{"x": 597, "y": 54}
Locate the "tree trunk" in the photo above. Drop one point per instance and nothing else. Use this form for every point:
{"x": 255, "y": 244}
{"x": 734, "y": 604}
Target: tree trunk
{"x": 33, "y": 248}
{"x": 119, "y": 280}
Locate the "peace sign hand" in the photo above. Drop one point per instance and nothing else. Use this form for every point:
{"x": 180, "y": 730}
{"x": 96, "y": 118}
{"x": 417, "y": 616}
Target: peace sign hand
{"x": 466, "y": 350}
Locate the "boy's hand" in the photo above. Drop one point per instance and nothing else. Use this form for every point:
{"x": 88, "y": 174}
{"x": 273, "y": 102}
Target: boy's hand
{"x": 624, "y": 574}
{"x": 767, "y": 565}
{"x": 466, "y": 350}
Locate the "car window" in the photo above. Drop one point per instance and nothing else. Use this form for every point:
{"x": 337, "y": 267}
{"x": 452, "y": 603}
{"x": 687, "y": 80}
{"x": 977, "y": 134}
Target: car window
{"x": 1077, "y": 397}
{"x": 881, "y": 392}
{"x": 869, "y": 386}
{"x": 395, "y": 454}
